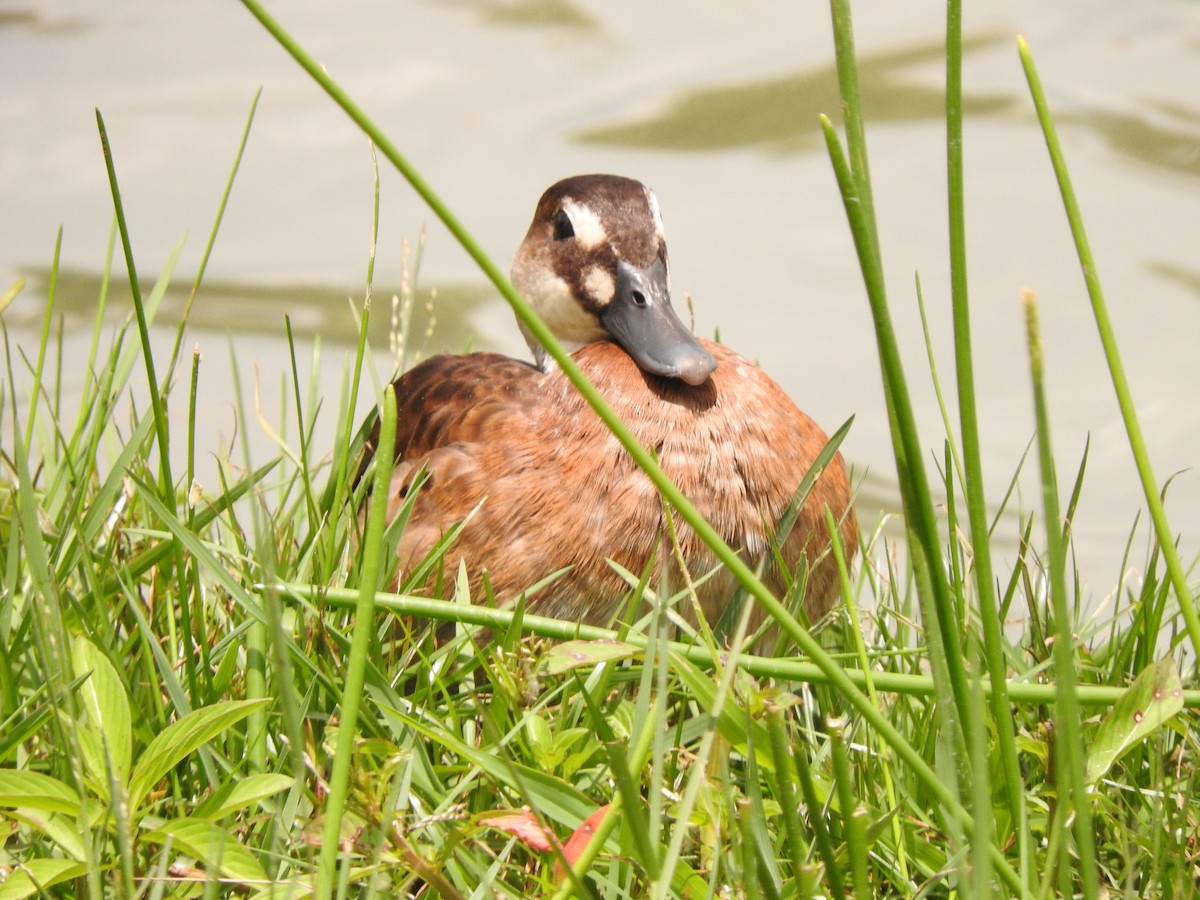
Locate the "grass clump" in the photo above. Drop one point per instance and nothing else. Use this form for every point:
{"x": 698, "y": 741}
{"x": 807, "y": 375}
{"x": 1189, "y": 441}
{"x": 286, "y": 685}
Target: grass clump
{"x": 203, "y": 692}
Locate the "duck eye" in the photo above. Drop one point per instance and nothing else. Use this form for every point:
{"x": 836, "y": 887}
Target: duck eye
{"x": 563, "y": 228}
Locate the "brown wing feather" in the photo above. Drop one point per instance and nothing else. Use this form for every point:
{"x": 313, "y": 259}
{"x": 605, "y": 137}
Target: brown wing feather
{"x": 448, "y": 408}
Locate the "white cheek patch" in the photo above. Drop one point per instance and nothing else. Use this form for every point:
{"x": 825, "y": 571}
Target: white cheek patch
{"x": 537, "y": 282}
{"x": 589, "y": 231}
{"x": 551, "y": 298}
{"x": 600, "y": 285}
{"x": 545, "y": 290}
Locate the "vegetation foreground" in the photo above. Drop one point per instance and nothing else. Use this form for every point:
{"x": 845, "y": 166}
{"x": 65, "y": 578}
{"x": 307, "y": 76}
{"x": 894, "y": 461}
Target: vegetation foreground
{"x": 203, "y": 692}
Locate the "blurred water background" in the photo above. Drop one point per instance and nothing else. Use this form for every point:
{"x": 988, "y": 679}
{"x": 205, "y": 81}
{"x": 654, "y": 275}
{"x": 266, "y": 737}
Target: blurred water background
{"x": 716, "y": 107}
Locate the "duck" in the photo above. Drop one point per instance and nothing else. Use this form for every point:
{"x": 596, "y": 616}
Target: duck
{"x": 546, "y": 501}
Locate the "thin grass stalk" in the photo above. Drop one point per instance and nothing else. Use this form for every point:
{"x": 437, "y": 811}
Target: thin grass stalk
{"x": 91, "y": 379}
{"x": 212, "y": 234}
{"x": 697, "y": 775}
{"x": 257, "y": 670}
{"x": 651, "y": 710}
{"x": 856, "y": 134}
{"x": 755, "y": 817}
{"x": 185, "y": 599}
{"x": 1090, "y": 695}
{"x": 936, "y": 381}
{"x": 747, "y": 879}
{"x": 981, "y": 796}
{"x": 785, "y": 789}
{"x": 59, "y": 361}
{"x": 342, "y": 460}
{"x": 860, "y": 650}
{"x": 1108, "y": 339}
{"x": 356, "y": 665}
{"x": 924, "y": 544}
{"x": 47, "y": 318}
{"x": 816, "y": 821}
{"x": 735, "y": 565}
{"x": 119, "y": 810}
{"x": 852, "y": 831}
{"x": 10, "y": 293}
{"x": 1068, "y": 739}
{"x": 649, "y": 747}
{"x": 853, "y": 176}
{"x": 156, "y": 401}
{"x": 95, "y": 395}
{"x": 628, "y": 785}
{"x": 973, "y": 487}
{"x": 310, "y": 500}
{"x": 285, "y": 678}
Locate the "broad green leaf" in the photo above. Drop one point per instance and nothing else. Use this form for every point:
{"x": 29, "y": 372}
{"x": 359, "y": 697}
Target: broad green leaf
{"x": 91, "y": 751}
{"x": 46, "y": 873}
{"x": 108, "y": 721}
{"x": 573, "y": 654}
{"x": 66, "y": 831}
{"x": 179, "y": 739}
{"x": 33, "y": 789}
{"x": 1153, "y": 698}
{"x": 214, "y": 847}
{"x": 242, "y": 793}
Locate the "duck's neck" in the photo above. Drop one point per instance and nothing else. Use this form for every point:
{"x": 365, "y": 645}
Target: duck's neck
{"x": 543, "y": 360}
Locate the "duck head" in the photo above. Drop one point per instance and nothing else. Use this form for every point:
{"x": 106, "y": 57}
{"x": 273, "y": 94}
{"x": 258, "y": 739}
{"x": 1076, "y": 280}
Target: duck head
{"x": 594, "y": 267}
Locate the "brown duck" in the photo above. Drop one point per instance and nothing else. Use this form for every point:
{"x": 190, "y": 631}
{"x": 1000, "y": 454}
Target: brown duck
{"x": 515, "y": 450}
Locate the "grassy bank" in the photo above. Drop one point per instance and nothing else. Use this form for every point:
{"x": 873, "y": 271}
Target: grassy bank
{"x": 203, "y": 692}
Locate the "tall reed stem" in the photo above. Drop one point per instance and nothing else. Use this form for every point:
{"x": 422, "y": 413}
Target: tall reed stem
{"x": 989, "y": 614}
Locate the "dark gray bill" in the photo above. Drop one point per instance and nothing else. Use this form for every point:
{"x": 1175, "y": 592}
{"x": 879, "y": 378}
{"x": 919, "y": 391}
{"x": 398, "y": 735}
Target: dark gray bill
{"x": 641, "y": 320}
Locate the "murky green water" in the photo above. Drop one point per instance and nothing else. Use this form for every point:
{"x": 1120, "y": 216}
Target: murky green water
{"x": 715, "y": 106}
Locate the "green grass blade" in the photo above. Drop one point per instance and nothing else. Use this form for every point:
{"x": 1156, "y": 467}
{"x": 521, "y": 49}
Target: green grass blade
{"x": 816, "y": 819}
{"x": 364, "y": 629}
{"x": 1108, "y": 339}
{"x": 973, "y": 486}
{"x": 180, "y": 739}
{"x": 786, "y": 781}
{"x": 212, "y": 234}
{"x": 1068, "y": 740}
{"x": 156, "y": 401}
{"x": 853, "y": 830}
{"x": 787, "y": 669}
{"x": 47, "y": 318}
{"x": 924, "y": 543}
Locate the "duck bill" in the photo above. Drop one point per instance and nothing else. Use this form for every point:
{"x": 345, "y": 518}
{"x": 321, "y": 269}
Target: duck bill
{"x": 641, "y": 320}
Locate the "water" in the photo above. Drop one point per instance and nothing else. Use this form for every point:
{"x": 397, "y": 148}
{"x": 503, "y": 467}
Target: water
{"x": 716, "y": 108}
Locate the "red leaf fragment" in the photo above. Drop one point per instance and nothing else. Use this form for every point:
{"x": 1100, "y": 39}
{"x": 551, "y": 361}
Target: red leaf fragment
{"x": 579, "y": 841}
{"x": 523, "y": 825}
